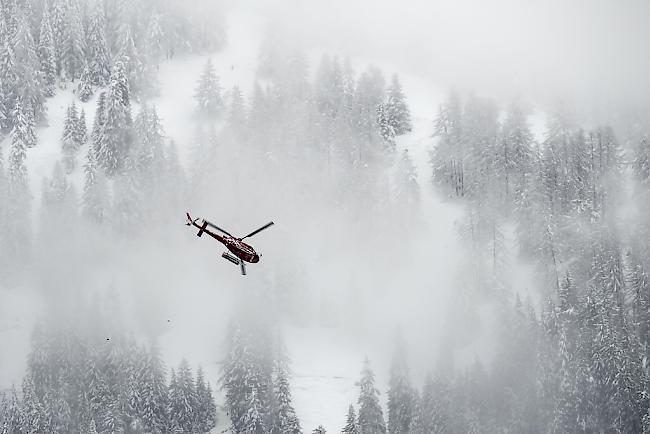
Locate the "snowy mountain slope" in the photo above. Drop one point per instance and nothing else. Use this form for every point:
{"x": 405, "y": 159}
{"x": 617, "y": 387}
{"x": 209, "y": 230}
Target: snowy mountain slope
{"x": 326, "y": 362}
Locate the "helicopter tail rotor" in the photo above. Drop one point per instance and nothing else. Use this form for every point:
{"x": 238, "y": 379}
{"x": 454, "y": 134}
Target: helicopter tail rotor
{"x": 189, "y": 221}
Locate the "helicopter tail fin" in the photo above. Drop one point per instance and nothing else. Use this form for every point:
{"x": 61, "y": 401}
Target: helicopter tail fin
{"x": 202, "y": 228}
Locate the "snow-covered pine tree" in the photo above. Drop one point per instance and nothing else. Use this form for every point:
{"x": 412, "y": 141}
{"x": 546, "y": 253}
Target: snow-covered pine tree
{"x": 98, "y": 123}
{"x": 72, "y": 53}
{"x": 82, "y": 128}
{"x": 211, "y": 406}
{"x": 128, "y": 201}
{"x": 183, "y": 400}
{"x": 154, "y": 38}
{"x": 59, "y": 205}
{"x": 70, "y": 140}
{"x": 566, "y": 415}
{"x": 400, "y": 393}
{"x": 46, "y": 54}
{"x": 95, "y": 199}
{"x": 328, "y": 87}
{"x": 153, "y": 401}
{"x": 85, "y": 87}
{"x": 237, "y": 111}
{"x": 398, "y": 115}
{"x": 479, "y": 134}
{"x": 17, "y": 234}
{"x": 641, "y": 163}
{"x": 246, "y": 378}
{"x": 58, "y": 24}
{"x": 514, "y": 161}
{"x": 371, "y": 417}
{"x": 13, "y": 417}
{"x": 407, "y": 189}
{"x": 447, "y": 158}
{"x": 3, "y": 211}
{"x": 34, "y": 414}
{"x": 208, "y": 92}
{"x": 386, "y": 130}
{"x": 4, "y": 111}
{"x": 141, "y": 82}
{"x": 115, "y": 138}
{"x": 287, "y": 420}
{"x": 319, "y": 430}
{"x": 370, "y": 92}
{"x": 99, "y": 62}
{"x": 351, "y": 422}
{"x": 26, "y": 66}
{"x": 172, "y": 394}
{"x": 205, "y": 410}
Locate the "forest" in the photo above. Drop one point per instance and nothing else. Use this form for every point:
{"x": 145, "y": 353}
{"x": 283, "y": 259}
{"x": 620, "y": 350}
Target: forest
{"x": 568, "y": 353}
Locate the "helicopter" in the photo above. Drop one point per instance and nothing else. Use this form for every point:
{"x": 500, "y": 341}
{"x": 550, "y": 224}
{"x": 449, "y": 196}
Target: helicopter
{"x": 239, "y": 252}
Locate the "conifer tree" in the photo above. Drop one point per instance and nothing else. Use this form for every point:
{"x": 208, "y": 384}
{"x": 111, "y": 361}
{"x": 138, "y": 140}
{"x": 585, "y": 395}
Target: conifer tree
{"x": 98, "y": 123}
{"x": 208, "y": 91}
{"x": 386, "y": 130}
{"x": 85, "y": 87}
{"x": 236, "y": 112}
{"x": 72, "y": 50}
{"x": 398, "y": 115}
{"x": 183, "y": 399}
{"x": 46, "y": 53}
{"x": 70, "y": 140}
{"x": 95, "y": 200}
{"x": 407, "y": 189}
{"x": 34, "y": 415}
{"x": 13, "y": 418}
{"x": 319, "y": 430}
{"x": 3, "y": 211}
{"x": 205, "y": 411}
{"x": 329, "y": 87}
{"x": 28, "y": 82}
{"x": 128, "y": 201}
{"x": 514, "y": 159}
{"x": 371, "y": 418}
{"x": 99, "y": 63}
{"x": 400, "y": 407}
{"x": 351, "y": 422}
{"x": 246, "y": 380}
{"x": 115, "y": 137}
{"x": 58, "y": 202}
{"x": 287, "y": 419}
{"x": 82, "y": 128}
{"x": 154, "y": 400}
{"x": 447, "y": 158}
{"x": 18, "y": 194}
{"x": 58, "y": 24}
{"x": 641, "y": 163}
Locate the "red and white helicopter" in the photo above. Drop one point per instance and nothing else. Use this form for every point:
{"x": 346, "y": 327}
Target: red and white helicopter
{"x": 241, "y": 252}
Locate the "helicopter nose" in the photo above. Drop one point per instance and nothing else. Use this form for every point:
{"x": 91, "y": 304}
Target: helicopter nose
{"x": 256, "y": 259}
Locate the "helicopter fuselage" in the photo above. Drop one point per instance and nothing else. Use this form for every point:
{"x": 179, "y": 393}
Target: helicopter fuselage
{"x": 237, "y": 247}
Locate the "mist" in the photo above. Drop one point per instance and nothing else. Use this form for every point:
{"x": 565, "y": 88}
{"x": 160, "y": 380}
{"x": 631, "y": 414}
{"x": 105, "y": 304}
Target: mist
{"x": 458, "y": 194}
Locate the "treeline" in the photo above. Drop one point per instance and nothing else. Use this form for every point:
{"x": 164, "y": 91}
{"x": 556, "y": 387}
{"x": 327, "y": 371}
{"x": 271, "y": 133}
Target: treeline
{"x": 107, "y": 47}
{"x": 89, "y": 376}
{"x": 45, "y": 44}
{"x": 339, "y": 127}
{"x": 577, "y": 201}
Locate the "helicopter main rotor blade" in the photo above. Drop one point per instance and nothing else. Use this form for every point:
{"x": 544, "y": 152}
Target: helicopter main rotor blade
{"x": 218, "y": 228}
{"x": 258, "y": 230}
